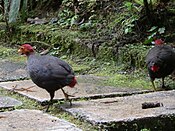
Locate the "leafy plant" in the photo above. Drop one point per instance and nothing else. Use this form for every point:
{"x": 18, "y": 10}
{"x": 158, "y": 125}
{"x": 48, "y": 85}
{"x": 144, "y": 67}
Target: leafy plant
{"x": 128, "y": 22}
{"x": 153, "y": 32}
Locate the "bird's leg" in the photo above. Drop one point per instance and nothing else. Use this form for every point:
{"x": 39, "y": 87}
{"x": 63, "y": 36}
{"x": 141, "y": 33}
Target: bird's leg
{"x": 152, "y": 81}
{"x": 22, "y": 89}
{"x": 163, "y": 83}
{"x": 67, "y": 96}
{"x": 50, "y": 102}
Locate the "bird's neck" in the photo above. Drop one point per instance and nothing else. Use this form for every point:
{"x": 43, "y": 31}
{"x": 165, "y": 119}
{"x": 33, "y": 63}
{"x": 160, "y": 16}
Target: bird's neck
{"x": 30, "y": 54}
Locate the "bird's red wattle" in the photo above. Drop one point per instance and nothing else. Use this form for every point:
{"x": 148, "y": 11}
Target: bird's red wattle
{"x": 73, "y": 83}
{"x": 154, "y": 68}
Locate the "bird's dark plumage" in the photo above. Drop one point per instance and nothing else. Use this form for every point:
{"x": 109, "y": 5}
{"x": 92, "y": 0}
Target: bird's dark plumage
{"x": 160, "y": 62}
{"x": 48, "y": 72}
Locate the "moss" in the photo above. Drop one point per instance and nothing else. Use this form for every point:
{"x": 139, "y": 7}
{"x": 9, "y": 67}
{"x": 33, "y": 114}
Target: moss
{"x": 6, "y": 52}
{"x": 121, "y": 80}
{"x": 159, "y": 123}
{"x": 31, "y": 104}
{"x": 105, "y": 53}
{"x": 133, "y": 55}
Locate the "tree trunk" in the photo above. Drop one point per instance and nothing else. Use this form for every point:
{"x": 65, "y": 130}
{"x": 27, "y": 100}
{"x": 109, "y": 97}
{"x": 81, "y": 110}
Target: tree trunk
{"x": 148, "y": 11}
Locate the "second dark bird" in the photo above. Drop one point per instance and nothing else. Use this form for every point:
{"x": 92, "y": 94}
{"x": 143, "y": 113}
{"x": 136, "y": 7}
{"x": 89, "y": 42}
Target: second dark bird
{"x": 160, "y": 61}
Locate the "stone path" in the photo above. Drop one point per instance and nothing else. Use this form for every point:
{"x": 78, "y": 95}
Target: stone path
{"x": 33, "y": 120}
{"x": 109, "y": 108}
{"x": 119, "y": 110}
{"x": 8, "y": 102}
{"x": 82, "y": 90}
{"x": 12, "y": 70}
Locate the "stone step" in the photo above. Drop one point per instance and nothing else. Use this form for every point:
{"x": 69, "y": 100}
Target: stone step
{"x": 126, "y": 113}
{"x": 82, "y": 90}
{"x": 8, "y": 102}
{"x": 12, "y": 70}
{"x": 33, "y": 120}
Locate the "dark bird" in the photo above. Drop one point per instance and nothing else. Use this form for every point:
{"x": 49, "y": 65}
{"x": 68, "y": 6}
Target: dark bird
{"x": 48, "y": 72}
{"x": 160, "y": 61}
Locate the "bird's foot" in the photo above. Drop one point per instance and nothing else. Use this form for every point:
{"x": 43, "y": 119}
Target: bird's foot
{"x": 46, "y": 106}
{"x": 22, "y": 89}
{"x": 67, "y": 97}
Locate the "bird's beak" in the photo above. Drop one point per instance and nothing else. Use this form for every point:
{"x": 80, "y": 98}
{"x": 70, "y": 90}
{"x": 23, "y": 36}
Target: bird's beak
{"x": 20, "y": 52}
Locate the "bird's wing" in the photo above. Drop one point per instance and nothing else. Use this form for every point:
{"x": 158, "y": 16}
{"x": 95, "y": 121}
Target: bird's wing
{"x": 49, "y": 67}
{"x": 164, "y": 54}
{"x": 57, "y": 68}
{"x": 151, "y": 55}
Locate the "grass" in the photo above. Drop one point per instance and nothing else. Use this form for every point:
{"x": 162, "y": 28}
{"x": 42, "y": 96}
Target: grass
{"x": 116, "y": 75}
{"x": 33, "y": 105}
{"x": 11, "y": 54}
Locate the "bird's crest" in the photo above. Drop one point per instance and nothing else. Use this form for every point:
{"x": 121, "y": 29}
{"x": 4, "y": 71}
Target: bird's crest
{"x": 159, "y": 42}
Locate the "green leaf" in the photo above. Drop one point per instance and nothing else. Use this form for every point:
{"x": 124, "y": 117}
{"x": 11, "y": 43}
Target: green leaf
{"x": 161, "y": 30}
{"x": 24, "y": 4}
{"x": 14, "y": 10}
{"x": 140, "y": 2}
{"x": 128, "y": 5}
{"x": 24, "y": 9}
{"x": 153, "y": 28}
{"x": 152, "y": 35}
{"x": 147, "y": 41}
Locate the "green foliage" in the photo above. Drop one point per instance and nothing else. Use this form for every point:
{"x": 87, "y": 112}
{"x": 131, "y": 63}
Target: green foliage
{"x": 133, "y": 55}
{"x": 66, "y": 18}
{"x": 131, "y": 17}
{"x": 70, "y": 18}
{"x": 140, "y": 2}
{"x": 145, "y": 129}
{"x": 120, "y": 80}
{"x": 6, "y": 52}
{"x": 154, "y": 31}
{"x": 24, "y": 9}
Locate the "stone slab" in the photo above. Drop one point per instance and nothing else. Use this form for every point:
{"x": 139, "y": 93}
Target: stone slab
{"x": 126, "y": 112}
{"x": 82, "y": 90}
{"x": 12, "y": 70}
{"x": 33, "y": 120}
{"x": 8, "y": 102}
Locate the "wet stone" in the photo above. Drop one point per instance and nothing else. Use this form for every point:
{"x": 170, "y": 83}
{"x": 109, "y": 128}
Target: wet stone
{"x": 8, "y": 102}
{"x": 82, "y": 90}
{"x": 33, "y": 120}
{"x": 126, "y": 112}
